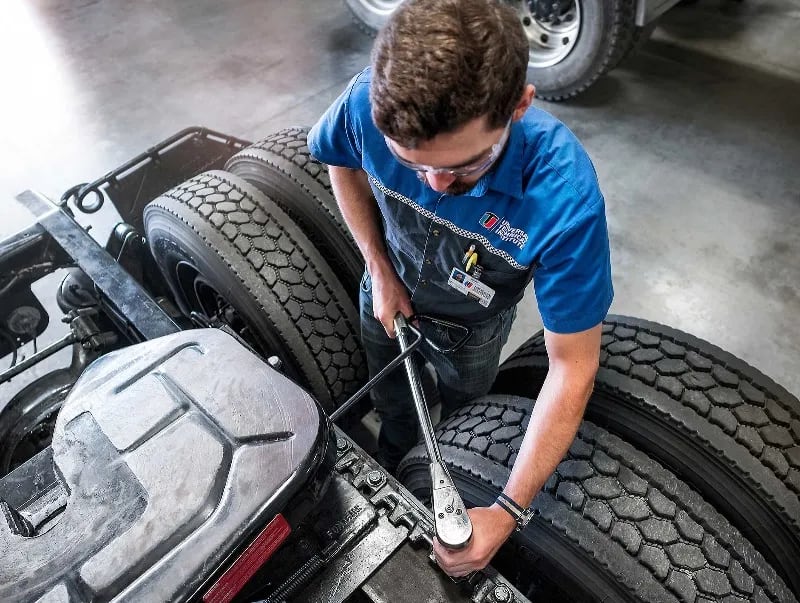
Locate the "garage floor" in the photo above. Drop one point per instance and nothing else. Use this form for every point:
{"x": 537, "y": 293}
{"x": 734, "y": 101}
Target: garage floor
{"x": 696, "y": 139}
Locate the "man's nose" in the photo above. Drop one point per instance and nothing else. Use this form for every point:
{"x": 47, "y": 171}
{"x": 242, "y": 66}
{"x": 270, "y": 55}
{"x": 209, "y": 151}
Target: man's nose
{"x": 439, "y": 182}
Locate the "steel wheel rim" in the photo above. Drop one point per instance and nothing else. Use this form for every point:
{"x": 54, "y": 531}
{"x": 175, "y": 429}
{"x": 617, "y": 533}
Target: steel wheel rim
{"x": 201, "y": 296}
{"x": 550, "y": 44}
{"x": 384, "y": 8}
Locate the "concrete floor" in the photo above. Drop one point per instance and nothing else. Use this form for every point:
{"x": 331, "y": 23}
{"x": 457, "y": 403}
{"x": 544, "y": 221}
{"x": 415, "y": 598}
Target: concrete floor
{"x": 696, "y": 139}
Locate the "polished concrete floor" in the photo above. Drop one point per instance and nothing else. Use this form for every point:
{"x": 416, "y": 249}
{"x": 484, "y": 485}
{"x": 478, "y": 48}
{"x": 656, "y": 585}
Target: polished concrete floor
{"x": 696, "y": 139}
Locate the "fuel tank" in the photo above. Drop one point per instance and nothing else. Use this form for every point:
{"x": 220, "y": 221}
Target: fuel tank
{"x": 167, "y": 456}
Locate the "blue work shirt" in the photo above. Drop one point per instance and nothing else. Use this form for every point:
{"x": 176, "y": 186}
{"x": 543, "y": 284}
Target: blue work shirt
{"x": 538, "y": 213}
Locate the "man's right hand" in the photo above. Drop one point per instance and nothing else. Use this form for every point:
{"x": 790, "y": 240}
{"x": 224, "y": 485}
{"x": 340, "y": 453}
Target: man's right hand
{"x": 389, "y": 296}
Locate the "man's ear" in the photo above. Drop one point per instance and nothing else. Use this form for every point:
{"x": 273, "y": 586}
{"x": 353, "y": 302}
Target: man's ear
{"x": 525, "y": 101}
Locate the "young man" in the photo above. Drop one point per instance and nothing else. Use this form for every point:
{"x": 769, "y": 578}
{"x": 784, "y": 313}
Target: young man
{"x": 475, "y": 193}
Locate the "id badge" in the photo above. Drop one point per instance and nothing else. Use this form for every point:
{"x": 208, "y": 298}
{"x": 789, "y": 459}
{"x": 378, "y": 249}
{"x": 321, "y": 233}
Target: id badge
{"x": 471, "y": 287}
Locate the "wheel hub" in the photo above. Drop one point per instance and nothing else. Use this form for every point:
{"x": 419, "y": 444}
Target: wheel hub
{"x": 554, "y": 12}
{"x": 552, "y": 27}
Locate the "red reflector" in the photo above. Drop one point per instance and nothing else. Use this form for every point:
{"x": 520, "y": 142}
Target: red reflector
{"x": 252, "y": 558}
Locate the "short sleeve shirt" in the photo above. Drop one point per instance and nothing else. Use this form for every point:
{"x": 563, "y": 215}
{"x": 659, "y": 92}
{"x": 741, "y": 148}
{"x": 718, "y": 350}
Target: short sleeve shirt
{"x": 538, "y": 214}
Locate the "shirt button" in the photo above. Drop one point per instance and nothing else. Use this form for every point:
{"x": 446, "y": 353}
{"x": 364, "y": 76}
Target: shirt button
{"x": 424, "y": 282}
{"x": 428, "y": 261}
{"x": 435, "y": 232}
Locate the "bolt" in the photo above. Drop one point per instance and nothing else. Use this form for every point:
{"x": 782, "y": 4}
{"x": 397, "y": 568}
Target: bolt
{"x": 544, "y": 38}
{"x": 502, "y": 594}
{"x": 441, "y": 481}
{"x": 565, "y": 41}
{"x": 458, "y": 511}
{"x": 374, "y": 478}
{"x": 526, "y": 21}
{"x": 342, "y": 444}
{"x": 441, "y": 515}
{"x": 449, "y": 508}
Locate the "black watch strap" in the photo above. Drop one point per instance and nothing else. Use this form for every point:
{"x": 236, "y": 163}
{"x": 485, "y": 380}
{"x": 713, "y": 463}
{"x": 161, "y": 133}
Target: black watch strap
{"x": 521, "y": 516}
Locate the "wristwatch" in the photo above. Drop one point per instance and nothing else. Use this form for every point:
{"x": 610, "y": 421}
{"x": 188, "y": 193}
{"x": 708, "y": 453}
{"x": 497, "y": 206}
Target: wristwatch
{"x": 520, "y": 515}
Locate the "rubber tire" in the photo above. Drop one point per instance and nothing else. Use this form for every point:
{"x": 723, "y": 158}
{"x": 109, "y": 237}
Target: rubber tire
{"x": 246, "y": 246}
{"x": 609, "y": 517}
{"x": 369, "y": 21}
{"x": 607, "y": 35}
{"x": 745, "y": 462}
{"x": 637, "y": 40}
{"x": 33, "y": 407}
{"x": 282, "y": 167}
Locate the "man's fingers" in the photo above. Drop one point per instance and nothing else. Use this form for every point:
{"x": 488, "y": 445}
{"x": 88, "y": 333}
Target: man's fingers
{"x": 453, "y": 563}
{"x": 388, "y": 321}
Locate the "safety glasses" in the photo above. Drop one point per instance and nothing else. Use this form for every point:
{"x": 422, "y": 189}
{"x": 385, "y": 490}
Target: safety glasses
{"x": 462, "y": 171}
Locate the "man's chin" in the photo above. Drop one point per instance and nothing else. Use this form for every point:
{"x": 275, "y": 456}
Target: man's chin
{"x": 458, "y": 188}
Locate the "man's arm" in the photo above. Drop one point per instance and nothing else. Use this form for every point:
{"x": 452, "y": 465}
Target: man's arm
{"x": 574, "y": 359}
{"x": 354, "y": 196}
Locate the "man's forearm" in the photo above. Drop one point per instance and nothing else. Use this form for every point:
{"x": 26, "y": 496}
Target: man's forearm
{"x": 552, "y": 427}
{"x": 558, "y": 411}
{"x": 354, "y": 196}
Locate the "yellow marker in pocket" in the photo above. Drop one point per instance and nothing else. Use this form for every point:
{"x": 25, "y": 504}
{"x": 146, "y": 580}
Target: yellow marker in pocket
{"x": 471, "y": 261}
{"x": 470, "y": 251}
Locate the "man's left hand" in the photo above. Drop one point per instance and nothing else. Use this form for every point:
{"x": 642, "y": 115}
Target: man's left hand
{"x": 491, "y": 526}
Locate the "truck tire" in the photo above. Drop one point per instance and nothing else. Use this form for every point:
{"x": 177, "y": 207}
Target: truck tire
{"x": 371, "y": 15}
{"x": 722, "y": 426}
{"x": 282, "y": 167}
{"x": 572, "y": 42}
{"x": 639, "y": 38}
{"x": 609, "y": 522}
{"x": 229, "y": 252}
{"x": 27, "y": 421}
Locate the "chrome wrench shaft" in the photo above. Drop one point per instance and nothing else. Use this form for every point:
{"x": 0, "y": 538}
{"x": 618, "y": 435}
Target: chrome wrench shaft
{"x": 451, "y": 522}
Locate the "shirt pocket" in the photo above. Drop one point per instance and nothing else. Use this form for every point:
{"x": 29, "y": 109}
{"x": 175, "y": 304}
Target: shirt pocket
{"x": 499, "y": 275}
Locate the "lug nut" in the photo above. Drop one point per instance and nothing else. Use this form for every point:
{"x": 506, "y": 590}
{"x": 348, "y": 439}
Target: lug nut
{"x": 502, "y": 594}
{"x": 374, "y": 478}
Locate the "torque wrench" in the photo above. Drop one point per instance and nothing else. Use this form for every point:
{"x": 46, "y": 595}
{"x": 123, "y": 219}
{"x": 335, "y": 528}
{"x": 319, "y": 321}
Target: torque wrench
{"x": 451, "y": 522}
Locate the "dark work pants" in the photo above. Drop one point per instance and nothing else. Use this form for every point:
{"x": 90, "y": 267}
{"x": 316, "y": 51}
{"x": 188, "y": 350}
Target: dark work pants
{"x": 462, "y": 376}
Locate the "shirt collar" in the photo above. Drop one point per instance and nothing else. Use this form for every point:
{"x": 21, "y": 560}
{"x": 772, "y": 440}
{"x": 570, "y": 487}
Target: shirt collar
{"x": 506, "y": 176}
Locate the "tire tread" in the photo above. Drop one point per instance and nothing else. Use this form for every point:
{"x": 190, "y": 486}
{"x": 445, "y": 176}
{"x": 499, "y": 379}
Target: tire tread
{"x": 617, "y": 505}
{"x": 307, "y": 305}
{"x": 706, "y": 398}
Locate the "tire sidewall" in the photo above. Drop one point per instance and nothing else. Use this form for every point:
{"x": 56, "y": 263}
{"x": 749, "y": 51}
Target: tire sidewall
{"x": 585, "y": 60}
{"x": 372, "y": 19}
{"x": 170, "y": 246}
{"x": 26, "y": 411}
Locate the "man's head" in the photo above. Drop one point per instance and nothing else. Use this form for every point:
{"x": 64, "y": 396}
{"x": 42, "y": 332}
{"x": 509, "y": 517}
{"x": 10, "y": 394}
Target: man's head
{"x": 448, "y": 76}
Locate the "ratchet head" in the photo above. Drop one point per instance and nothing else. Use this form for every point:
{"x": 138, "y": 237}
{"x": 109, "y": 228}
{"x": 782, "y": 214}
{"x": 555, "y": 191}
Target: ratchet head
{"x": 450, "y": 519}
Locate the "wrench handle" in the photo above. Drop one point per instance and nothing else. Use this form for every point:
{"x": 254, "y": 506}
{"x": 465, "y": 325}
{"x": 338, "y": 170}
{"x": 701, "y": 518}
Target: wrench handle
{"x": 450, "y": 519}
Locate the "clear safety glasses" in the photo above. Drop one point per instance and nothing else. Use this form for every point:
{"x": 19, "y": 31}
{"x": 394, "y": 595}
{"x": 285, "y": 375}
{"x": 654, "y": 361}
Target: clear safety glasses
{"x": 461, "y": 171}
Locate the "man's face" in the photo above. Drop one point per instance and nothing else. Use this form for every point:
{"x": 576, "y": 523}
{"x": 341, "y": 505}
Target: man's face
{"x": 452, "y": 163}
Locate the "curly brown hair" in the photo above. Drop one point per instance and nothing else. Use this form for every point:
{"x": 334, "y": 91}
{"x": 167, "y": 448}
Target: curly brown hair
{"x": 438, "y": 64}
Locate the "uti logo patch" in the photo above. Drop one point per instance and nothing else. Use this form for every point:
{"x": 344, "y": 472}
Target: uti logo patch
{"x": 489, "y": 220}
